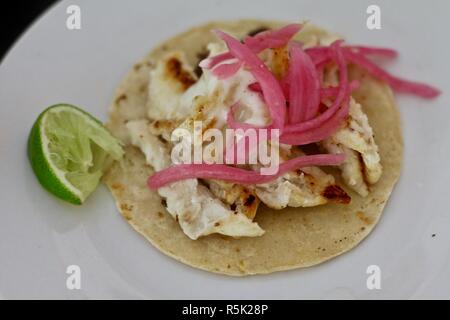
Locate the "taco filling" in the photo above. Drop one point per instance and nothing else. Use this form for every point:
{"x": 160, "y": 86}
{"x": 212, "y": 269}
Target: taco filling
{"x": 315, "y": 107}
{"x": 301, "y": 91}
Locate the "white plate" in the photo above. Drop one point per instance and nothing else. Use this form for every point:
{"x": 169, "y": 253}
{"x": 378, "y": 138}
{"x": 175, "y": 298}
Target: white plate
{"x": 40, "y": 236}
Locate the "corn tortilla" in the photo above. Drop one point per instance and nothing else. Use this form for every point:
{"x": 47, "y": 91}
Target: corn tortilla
{"x": 295, "y": 237}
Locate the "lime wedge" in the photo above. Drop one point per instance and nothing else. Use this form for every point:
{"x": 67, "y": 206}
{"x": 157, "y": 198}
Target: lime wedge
{"x": 69, "y": 151}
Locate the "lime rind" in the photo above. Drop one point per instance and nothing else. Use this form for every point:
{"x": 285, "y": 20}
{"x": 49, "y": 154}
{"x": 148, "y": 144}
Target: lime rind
{"x": 70, "y": 150}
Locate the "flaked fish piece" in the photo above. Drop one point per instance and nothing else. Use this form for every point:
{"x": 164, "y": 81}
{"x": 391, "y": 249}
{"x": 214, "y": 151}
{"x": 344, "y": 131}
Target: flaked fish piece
{"x": 210, "y": 105}
{"x": 190, "y": 203}
{"x": 362, "y": 166}
{"x": 240, "y": 198}
{"x": 355, "y": 139}
{"x": 169, "y": 83}
{"x": 306, "y": 187}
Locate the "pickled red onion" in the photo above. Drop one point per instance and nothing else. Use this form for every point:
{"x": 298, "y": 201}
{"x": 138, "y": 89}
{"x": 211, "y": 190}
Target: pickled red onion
{"x": 356, "y": 55}
{"x": 284, "y": 84}
{"x": 304, "y": 86}
{"x": 320, "y": 54}
{"x": 400, "y": 85}
{"x": 306, "y": 68}
{"x": 211, "y": 62}
{"x": 255, "y": 87}
{"x": 272, "y": 93}
{"x": 237, "y": 175}
{"x": 264, "y": 40}
{"x": 333, "y": 91}
{"x": 382, "y": 52}
{"x": 272, "y": 38}
{"x": 318, "y": 133}
{"x": 297, "y": 81}
{"x": 320, "y": 70}
{"x": 336, "y": 51}
{"x": 226, "y": 70}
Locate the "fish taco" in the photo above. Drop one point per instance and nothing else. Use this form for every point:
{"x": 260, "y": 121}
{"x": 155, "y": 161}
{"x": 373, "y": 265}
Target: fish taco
{"x": 339, "y": 146}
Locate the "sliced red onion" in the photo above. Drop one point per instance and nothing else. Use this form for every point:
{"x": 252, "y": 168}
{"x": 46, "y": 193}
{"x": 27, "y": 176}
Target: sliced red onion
{"x": 357, "y": 55}
{"x": 226, "y": 70}
{"x": 336, "y": 50}
{"x": 272, "y": 38}
{"x": 319, "y": 55}
{"x": 333, "y": 91}
{"x": 377, "y": 51}
{"x": 211, "y": 62}
{"x": 398, "y": 84}
{"x": 264, "y": 40}
{"x": 297, "y": 84}
{"x": 309, "y": 85}
{"x": 255, "y": 87}
{"x": 272, "y": 93}
{"x": 318, "y": 133}
{"x": 237, "y": 175}
{"x": 284, "y": 84}
{"x": 320, "y": 68}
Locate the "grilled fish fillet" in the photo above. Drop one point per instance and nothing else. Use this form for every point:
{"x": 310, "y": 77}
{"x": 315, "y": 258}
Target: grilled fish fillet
{"x": 306, "y": 187}
{"x": 196, "y": 209}
{"x": 362, "y": 166}
{"x": 355, "y": 139}
{"x": 169, "y": 83}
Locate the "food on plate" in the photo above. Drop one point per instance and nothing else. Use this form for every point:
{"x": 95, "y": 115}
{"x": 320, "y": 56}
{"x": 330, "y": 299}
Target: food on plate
{"x": 69, "y": 151}
{"x": 332, "y": 120}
